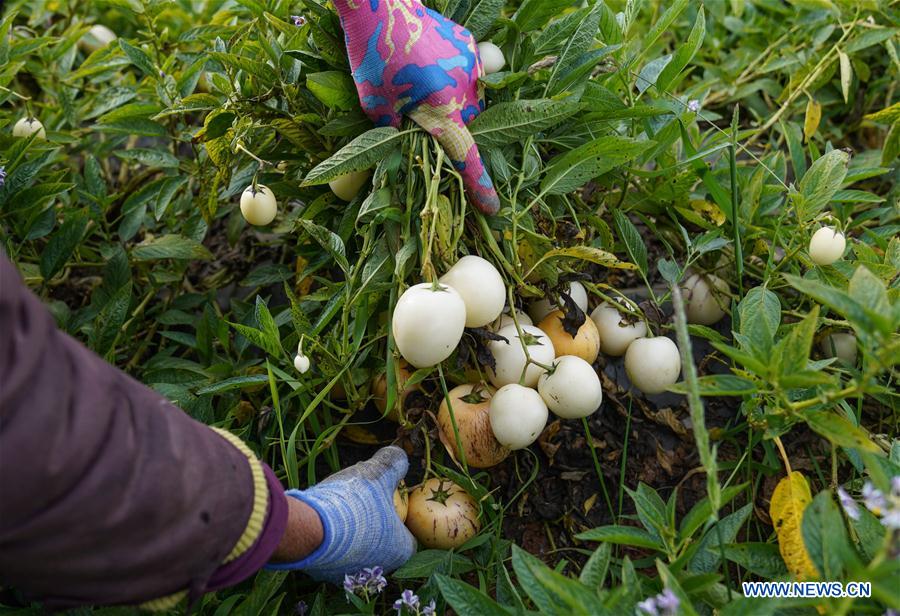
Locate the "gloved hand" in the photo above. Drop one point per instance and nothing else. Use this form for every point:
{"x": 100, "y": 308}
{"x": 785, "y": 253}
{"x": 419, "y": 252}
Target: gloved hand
{"x": 408, "y": 60}
{"x": 361, "y": 527}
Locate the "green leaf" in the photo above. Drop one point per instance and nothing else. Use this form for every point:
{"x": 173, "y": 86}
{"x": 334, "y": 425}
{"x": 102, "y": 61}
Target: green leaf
{"x": 149, "y": 158}
{"x": 533, "y": 14}
{"x": 840, "y": 431}
{"x": 794, "y": 349}
{"x": 170, "y": 247}
{"x": 482, "y": 17}
{"x": 760, "y": 316}
{"x": 651, "y": 510}
{"x": 762, "y": 559}
{"x": 593, "y": 575}
{"x": 62, "y": 244}
{"x": 327, "y": 240}
{"x": 552, "y": 592}
{"x": 821, "y": 182}
{"x": 825, "y": 537}
{"x": 573, "y": 169}
{"x": 858, "y": 314}
{"x": 361, "y": 153}
{"x": 335, "y": 89}
{"x": 621, "y": 535}
{"x": 235, "y": 382}
{"x": 708, "y": 556}
{"x": 581, "y": 40}
{"x": 267, "y": 324}
{"x": 702, "y": 511}
{"x": 631, "y": 237}
{"x": 684, "y": 54}
{"x": 720, "y": 385}
{"x": 259, "y": 338}
{"x": 509, "y": 122}
{"x": 138, "y": 57}
{"x": 109, "y": 320}
{"x": 426, "y": 562}
{"x": 467, "y": 600}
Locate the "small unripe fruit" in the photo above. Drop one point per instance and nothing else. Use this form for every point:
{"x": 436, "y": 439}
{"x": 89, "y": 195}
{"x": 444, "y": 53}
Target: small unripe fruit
{"x": 97, "y": 37}
{"x": 258, "y": 205}
{"x": 26, "y": 127}
{"x": 302, "y": 363}
{"x": 616, "y": 330}
{"x": 827, "y": 246}
{"x": 346, "y": 187}
{"x": 705, "y": 298}
{"x": 491, "y": 57}
{"x": 842, "y": 346}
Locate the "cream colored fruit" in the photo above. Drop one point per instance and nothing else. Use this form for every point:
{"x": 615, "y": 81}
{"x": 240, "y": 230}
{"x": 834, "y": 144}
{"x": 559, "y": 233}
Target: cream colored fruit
{"x": 585, "y": 344}
{"x": 840, "y": 345}
{"x": 481, "y": 288}
{"x": 572, "y": 389}
{"x": 705, "y": 299}
{"x": 428, "y": 323}
{"x": 441, "y": 514}
{"x": 827, "y": 246}
{"x": 258, "y": 205}
{"x": 97, "y": 37}
{"x": 653, "y": 364}
{"x": 616, "y": 330}
{"x": 542, "y": 307}
{"x": 471, "y": 404}
{"x": 491, "y": 57}
{"x": 26, "y": 127}
{"x": 518, "y": 416}
{"x": 401, "y": 501}
{"x": 510, "y": 358}
{"x": 346, "y": 187}
{"x": 506, "y": 319}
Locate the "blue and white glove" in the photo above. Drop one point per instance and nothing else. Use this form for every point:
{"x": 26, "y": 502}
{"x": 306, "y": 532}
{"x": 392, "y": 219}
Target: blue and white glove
{"x": 361, "y": 527}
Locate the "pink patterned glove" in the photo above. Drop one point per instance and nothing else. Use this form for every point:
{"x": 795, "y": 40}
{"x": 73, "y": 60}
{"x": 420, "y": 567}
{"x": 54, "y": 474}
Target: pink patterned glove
{"x": 408, "y": 60}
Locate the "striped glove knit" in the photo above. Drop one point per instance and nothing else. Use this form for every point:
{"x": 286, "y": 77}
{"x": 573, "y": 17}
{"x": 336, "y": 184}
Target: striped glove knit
{"x": 361, "y": 527}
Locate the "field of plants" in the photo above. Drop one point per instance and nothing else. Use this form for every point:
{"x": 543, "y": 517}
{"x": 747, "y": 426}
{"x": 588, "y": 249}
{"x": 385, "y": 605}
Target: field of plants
{"x": 693, "y": 381}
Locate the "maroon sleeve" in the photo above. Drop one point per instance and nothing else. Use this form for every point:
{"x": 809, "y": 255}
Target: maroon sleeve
{"x": 109, "y": 494}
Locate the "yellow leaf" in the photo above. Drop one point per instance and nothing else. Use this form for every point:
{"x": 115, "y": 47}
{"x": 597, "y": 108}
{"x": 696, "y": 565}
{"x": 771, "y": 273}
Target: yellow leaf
{"x": 846, "y": 74}
{"x": 789, "y": 500}
{"x": 710, "y": 212}
{"x": 813, "y": 116}
{"x": 359, "y": 435}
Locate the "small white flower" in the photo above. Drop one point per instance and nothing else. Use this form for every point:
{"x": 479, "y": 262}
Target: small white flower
{"x": 693, "y": 105}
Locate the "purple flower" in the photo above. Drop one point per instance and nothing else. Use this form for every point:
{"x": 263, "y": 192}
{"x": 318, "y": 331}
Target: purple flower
{"x": 874, "y": 499}
{"x": 2, "y": 176}
{"x": 350, "y": 584}
{"x": 302, "y": 609}
{"x": 408, "y": 599}
{"x": 668, "y": 602}
{"x": 429, "y": 609}
{"x": 895, "y": 482}
{"x": 848, "y": 503}
{"x": 299, "y": 20}
{"x": 648, "y": 606}
{"x": 693, "y": 105}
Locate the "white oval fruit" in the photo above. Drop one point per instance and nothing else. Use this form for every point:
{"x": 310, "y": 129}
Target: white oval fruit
{"x": 653, "y": 364}
{"x": 481, "y": 287}
{"x": 842, "y": 346}
{"x": 518, "y": 416}
{"x": 302, "y": 363}
{"x": 97, "y": 37}
{"x": 428, "y": 323}
{"x": 572, "y": 389}
{"x": 346, "y": 187}
{"x": 491, "y": 57}
{"x": 26, "y": 127}
{"x": 258, "y": 205}
{"x": 705, "y": 298}
{"x": 827, "y": 246}
{"x": 617, "y": 331}
{"x": 441, "y": 514}
{"x": 542, "y": 307}
{"x": 506, "y": 319}
{"x": 510, "y": 359}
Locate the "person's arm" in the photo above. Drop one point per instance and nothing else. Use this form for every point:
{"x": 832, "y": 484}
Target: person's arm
{"x": 109, "y": 494}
